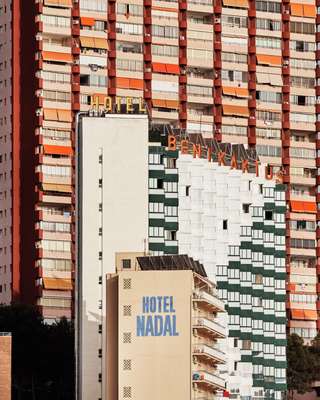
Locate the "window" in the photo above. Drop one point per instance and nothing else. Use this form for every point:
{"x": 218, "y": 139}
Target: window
{"x": 171, "y": 211}
{"x": 126, "y": 263}
{"x": 234, "y": 251}
{"x": 246, "y": 344}
{"x": 156, "y": 207}
{"x": 268, "y": 215}
{"x": 156, "y": 231}
{"x": 188, "y": 190}
{"x": 246, "y": 208}
{"x": 225, "y": 224}
{"x": 170, "y": 235}
{"x": 245, "y": 231}
{"x": 245, "y": 253}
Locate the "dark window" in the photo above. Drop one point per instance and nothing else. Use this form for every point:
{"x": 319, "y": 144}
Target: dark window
{"x": 100, "y": 328}
{"x": 126, "y": 264}
{"x": 188, "y": 190}
{"x": 173, "y": 235}
{"x": 269, "y": 215}
{"x": 225, "y": 224}
{"x": 301, "y": 100}
{"x": 246, "y": 208}
{"x": 235, "y": 342}
{"x": 160, "y": 184}
{"x": 100, "y": 280}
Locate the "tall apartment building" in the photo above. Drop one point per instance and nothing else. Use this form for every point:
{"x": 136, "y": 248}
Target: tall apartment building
{"x": 240, "y": 71}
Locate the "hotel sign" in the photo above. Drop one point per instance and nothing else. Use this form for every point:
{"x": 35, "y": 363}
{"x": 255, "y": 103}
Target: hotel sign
{"x": 118, "y": 105}
{"x": 236, "y": 156}
{"x": 158, "y": 317}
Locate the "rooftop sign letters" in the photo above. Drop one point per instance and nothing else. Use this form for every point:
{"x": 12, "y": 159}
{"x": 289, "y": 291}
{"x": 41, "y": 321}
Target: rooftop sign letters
{"x": 117, "y": 105}
{"x": 225, "y": 154}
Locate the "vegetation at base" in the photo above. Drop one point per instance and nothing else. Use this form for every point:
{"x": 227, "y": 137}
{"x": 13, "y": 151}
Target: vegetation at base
{"x": 303, "y": 364}
{"x": 42, "y": 354}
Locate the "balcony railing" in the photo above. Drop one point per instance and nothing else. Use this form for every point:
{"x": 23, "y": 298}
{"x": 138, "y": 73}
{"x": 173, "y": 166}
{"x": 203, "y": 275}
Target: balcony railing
{"x": 209, "y": 299}
{"x": 210, "y": 352}
{"x": 214, "y": 381}
{"x": 5, "y": 334}
{"x": 211, "y": 327}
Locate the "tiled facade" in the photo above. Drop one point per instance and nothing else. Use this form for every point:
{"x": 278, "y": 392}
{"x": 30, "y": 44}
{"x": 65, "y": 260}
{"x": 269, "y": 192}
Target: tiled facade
{"x": 234, "y": 224}
{"x": 242, "y": 71}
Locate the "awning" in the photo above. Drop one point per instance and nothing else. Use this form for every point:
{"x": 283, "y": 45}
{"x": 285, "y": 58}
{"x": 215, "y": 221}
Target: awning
{"x": 159, "y": 67}
{"x": 53, "y": 187}
{"x": 309, "y": 11}
{"x": 62, "y": 3}
{"x": 172, "y": 104}
{"x": 236, "y": 3}
{"x": 127, "y": 83}
{"x": 266, "y": 59}
{"x": 87, "y": 41}
{"x": 62, "y": 150}
{"x": 136, "y": 84}
{"x": 241, "y": 111}
{"x": 310, "y": 315}
{"x": 100, "y": 43}
{"x": 173, "y": 69}
{"x": 64, "y": 115}
{"x": 229, "y": 91}
{"x": 50, "y": 114}
{"x": 57, "y": 57}
{"x": 275, "y": 80}
{"x": 94, "y": 43}
{"x": 242, "y": 92}
{"x": 303, "y": 206}
{"x": 297, "y": 314}
{"x": 296, "y": 9}
{"x": 57, "y": 284}
{"x": 87, "y": 21}
{"x": 263, "y": 78}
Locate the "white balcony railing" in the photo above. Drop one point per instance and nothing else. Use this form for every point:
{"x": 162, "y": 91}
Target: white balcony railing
{"x": 211, "y": 326}
{"x": 211, "y": 352}
{"x": 205, "y": 377}
{"x": 208, "y": 298}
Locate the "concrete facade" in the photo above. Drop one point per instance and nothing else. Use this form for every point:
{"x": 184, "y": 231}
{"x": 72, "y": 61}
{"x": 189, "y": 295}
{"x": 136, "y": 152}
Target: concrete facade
{"x": 166, "y": 331}
{"x": 113, "y": 216}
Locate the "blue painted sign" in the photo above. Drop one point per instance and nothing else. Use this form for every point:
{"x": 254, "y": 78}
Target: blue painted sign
{"x": 158, "y": 318}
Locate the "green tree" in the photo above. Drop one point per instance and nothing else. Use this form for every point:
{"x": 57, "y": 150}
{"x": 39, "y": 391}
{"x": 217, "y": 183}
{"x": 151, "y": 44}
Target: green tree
{"x": 301, "y": 364}
{"x": 42, "y": 355}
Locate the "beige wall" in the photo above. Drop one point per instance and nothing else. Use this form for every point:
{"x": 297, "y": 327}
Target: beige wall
{"x": 5, "y": 367}
{"x": 160, "y": 365}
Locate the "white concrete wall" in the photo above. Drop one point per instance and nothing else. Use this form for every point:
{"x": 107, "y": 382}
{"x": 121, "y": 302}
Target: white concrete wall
{"x": 122, "y": 140}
